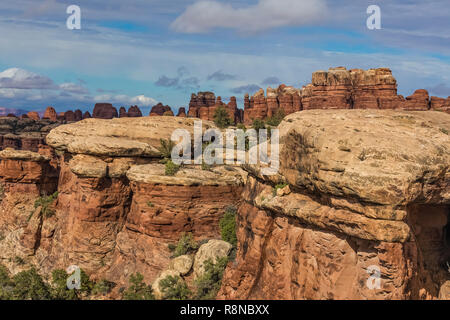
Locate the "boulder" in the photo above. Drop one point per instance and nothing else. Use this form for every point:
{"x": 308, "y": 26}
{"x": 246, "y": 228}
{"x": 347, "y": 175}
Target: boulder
{"x": 214, "y": 250}
{"x": 182, "y": 264}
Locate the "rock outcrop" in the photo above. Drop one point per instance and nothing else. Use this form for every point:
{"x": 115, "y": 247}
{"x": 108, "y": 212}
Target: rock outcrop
{"x": 114, "y": 197}
{"x": 368, "y": 190}
{"x": 160, "y": 110}
{"x": 104, "y": 111}
{"x": 204, "y": 104}
{"x": 24, "y": 134}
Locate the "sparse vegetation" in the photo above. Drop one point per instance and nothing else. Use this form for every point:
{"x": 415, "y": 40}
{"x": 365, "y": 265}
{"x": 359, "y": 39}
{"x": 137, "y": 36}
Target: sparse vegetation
{"x": 222, "y": 118}
{"x": 174, "y": 288}
{"x": 138, "y": 290}
{"x": 103, "y": 287}
{"x": 276, "y": 119}
{"x": 279, "y": 186}
{"x": 185, "y": 245}
{"x": 165, "y": 148}
{"x": 444, "y": 131}
{"x": 208, "y": 285}
{"x": 45, "y": 203}
{"x": 150, "y": 204}
{"x": 241, "y": 126}
{"x": 228, "y": 226}
{"x": 363, "y": 155}
{"x": 171, "y": 168}
{"x": 258, "y": 124}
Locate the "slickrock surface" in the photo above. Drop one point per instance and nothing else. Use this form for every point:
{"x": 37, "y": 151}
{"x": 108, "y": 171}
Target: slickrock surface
{"x": 119, "y": 137}
{"x": 366, "y": 188}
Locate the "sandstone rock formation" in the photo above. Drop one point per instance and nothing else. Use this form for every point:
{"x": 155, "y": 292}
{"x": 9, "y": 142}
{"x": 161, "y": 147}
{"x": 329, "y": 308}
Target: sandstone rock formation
{"x": 134, "y": 112}
{"x": 104, "y": 111}
{"x": 182, "y": 112}
{"x": 212, "y": 250}
{"x": 33, "y": 115}
{"x": 160, "y": 110}
{"x": 113, "y": 198}
{"x": 367, "y": 189}
{"x": 24, "y": 134}
{"x": 204, "y": 104}
{"x": 50, "y": 114}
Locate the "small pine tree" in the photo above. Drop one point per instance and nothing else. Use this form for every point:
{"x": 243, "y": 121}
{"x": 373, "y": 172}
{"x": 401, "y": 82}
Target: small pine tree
{"x": 138, "y": 290}
{"x": 222, "y": 118}
{"x": 228, "y": 226}
{"x": 208, "y": 285}
{"x": 174, "y": 288}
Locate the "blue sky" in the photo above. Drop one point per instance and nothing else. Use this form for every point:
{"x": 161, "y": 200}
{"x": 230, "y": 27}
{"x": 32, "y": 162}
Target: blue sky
{"x": 148, "y": 51}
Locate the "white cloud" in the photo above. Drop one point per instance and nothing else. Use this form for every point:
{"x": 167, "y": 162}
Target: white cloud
{"x": 140, "y": 100}
{"x": 203, "y": 16}
{"x": 73, "y": 88}
{"x": 15, "y": 78}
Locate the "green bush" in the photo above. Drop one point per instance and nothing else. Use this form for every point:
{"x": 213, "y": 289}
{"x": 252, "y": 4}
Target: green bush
{"x": 29, "y": 285}
{"x": 276, "y": 119}
{"x": 258, "y": 124}
{"x": 279, "y": 186}
{"x": 241, "y": 126}
{"x": 171, "y": 168}
{"x": 138, "y": 290}
{"x": 103, "y": 287}
{"x": 174, "y": 288}
{"x": 6, "y": 284}
{"x": 185, "y": 245}
{"x": 60, "y": 290}
{"x": 222, "y": 118}
{"x": 228, "y": 226}
{"x": 210, "y": 282}
{"x": 165, "y": 148}
{"x": 45, "y": 203}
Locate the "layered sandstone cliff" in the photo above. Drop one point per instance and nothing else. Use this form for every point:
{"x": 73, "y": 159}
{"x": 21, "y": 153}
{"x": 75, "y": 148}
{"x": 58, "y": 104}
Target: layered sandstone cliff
{"x": 116, "y": 211}
{"x": 204, "y": 104}
{"x": 364, "y": 190}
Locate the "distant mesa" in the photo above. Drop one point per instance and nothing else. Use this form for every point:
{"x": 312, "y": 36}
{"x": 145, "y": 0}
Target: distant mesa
{"x": 134, "y": 112}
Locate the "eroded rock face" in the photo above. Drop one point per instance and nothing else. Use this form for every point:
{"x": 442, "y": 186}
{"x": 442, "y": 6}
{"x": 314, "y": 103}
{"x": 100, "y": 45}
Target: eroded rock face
{"x": 24, "y": 134}
{"x": 134, "y": 112}
{"x": 204, "y": 104}
{"x": 366, "y": 188}
{"x": 116, "y": 211}
{"x": 160, "y": 110}
{"x": 104, "y": 111}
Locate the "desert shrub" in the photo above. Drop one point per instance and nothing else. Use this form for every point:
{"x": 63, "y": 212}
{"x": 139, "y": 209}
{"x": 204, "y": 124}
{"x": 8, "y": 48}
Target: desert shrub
{"x": 165, "y": 148}
{"x": 59, "y": 288}
{"x": 45, "y": 203}
{"x": 174, "y": 288}
{"x": 138, "y": 290}
{"x": 222, "y": 118}
{"x": 185, "y": 245}
{"x": 258, "y": 124}
{"x": 6, "y": 284}
{"x": 241, "y": 126}
{"x": 279, "y": 186}
{"x": 209, "y": 283}
{"x": 276, "y": 119}
{"x": 171, "y": 168}
{"x": 103, "y": 287}
{"x": 29, "y": 285}
{"x": 205, "y": 166}
{"x": 19, "y": 261}
{"x": 228, "y": 226}
{"x": 150, "y": 204}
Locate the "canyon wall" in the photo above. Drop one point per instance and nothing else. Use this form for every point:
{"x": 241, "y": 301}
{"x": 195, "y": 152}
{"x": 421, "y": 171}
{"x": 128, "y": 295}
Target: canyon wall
{"x": 116, "y": 210}
{"x": 363, "y": 191}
